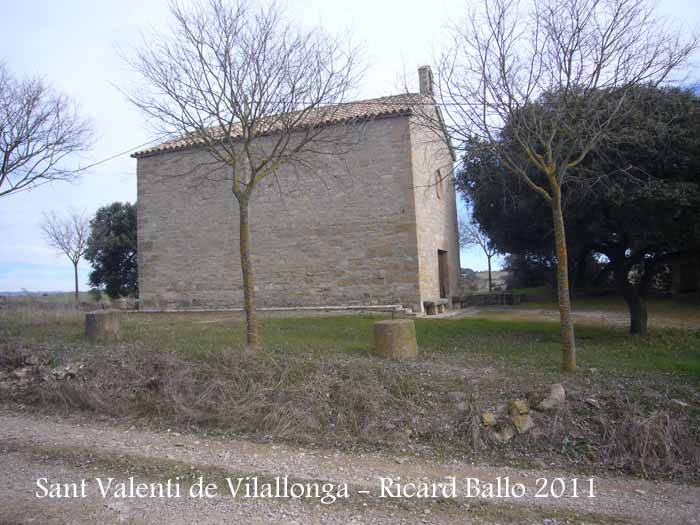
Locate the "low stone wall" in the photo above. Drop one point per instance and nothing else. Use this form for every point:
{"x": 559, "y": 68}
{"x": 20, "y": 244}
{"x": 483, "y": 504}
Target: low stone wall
{"x": 487, "y": 299}
{"x": 395, "y": 312}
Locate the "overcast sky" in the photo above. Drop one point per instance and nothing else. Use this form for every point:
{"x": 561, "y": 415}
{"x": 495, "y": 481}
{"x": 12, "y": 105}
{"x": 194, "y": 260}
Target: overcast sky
{"x": 74, "y": 45}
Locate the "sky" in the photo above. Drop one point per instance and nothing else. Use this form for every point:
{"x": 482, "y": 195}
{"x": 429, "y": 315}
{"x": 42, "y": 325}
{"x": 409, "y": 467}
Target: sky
{"x": 75, "y": 46}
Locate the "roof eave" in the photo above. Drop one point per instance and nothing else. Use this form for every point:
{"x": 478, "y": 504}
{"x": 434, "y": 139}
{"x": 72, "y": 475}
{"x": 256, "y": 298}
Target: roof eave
{"x": 159, "y": 150}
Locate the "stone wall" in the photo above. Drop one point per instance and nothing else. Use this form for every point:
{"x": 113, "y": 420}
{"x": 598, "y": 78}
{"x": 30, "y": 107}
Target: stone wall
{"x": 436, "y": 210}
{"x": 343, "y": 234}
{"x": 488, "y": 299}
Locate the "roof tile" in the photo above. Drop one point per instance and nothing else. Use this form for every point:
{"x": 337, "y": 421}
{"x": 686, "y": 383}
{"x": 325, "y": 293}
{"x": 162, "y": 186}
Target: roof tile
{"x": 341, "y": 113}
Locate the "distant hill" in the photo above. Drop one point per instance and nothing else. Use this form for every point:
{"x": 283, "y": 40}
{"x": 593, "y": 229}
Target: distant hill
{"x": 45, "y": 297}
{"x": 26, "y": 293}
{"x": 498, "y": 279}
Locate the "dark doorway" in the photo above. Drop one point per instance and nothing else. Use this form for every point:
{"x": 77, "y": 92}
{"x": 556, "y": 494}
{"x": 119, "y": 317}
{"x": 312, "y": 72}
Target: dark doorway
{"x": 443, "y": 274}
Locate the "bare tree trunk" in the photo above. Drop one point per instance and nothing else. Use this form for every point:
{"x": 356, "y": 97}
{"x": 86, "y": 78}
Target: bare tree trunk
{"x": 635, "y": 304}
{"x": 638, "y": 311}
{"x": 75, "y": 275}
{"x": 488, "y": 258}
{"x": 247, "y": 270}
{"x": 567, "y": 326}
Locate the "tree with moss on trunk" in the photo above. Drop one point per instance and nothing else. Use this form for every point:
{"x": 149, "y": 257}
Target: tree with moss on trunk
{"x": 244, "y": 85}
{"x": 583, "y": 58}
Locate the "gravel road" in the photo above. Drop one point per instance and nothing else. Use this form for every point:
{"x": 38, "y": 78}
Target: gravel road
{"x": 69, "y": 449}
{"x": 594, "y": 317}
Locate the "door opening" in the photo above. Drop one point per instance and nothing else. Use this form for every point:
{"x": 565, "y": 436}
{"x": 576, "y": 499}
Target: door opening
{"x": 443, "y": 274}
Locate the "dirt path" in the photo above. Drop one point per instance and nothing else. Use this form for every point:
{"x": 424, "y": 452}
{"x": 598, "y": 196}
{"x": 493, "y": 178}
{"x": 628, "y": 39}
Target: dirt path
{"x": 70, "y": 449}
{"x": 600, "y": 317}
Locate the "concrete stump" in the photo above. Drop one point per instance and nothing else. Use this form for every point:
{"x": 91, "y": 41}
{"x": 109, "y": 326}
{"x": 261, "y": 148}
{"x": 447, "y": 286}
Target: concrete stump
{"x": 102, "y": 325}
{"x": 395, "y": 339}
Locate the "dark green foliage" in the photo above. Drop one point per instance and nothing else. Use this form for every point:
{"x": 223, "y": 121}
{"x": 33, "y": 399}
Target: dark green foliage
{"x": 111, "y": 250}
{"x": 635, "y": 203}
{"x": 648, "y": 187}
{"x": 527, "y": 270}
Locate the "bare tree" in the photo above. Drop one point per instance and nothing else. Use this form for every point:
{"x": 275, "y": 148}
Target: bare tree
{"x": 69, "y": 236}
{"x": 542, "y": 88}
{"x": 470, "y": 234}
{"x": 244, "y": 85}
{"x": 39, "y": 130}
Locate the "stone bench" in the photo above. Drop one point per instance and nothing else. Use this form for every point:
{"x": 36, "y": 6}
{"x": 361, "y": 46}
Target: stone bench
{"x": 435, "y": 306}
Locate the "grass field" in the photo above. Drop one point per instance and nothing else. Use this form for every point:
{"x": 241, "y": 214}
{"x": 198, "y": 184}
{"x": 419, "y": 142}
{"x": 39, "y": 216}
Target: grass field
{"x": 518, "y": 342}
{"x": 316, "y": 381}
{"x": 521, "y": 342}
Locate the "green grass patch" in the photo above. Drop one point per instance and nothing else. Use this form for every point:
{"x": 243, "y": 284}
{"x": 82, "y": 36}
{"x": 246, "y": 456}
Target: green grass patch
{"x": 198, "y": 337}
{"x": 520, "y": 342}
{"x": 537, "y": 343}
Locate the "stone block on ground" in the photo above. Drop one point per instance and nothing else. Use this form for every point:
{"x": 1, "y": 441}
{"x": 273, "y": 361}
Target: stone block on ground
{"x": 593, "y": 402}
{"x": 522, "y": 422}
{"x": 548, "y": 400}
{"x": 488, "y": 419}
{"x": 518, "y": 406}
{"x": 502, "y": 431}
{"x": 103, "y": 325}
{"x": 395, "y": 339}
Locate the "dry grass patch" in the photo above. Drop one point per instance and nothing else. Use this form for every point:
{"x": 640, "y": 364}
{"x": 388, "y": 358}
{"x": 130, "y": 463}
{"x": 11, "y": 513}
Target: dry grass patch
{"x": 32, "y": 313}
{"x": 349, "y": 401}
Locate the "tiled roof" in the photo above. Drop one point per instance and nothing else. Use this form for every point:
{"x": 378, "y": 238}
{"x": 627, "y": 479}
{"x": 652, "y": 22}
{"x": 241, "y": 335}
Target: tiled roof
{"x": 341, "y": 113}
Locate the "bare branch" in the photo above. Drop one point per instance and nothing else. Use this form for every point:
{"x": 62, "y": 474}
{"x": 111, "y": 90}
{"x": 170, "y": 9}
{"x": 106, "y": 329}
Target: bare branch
{"x": 227, "y": 74}
{"x": 471, "y": 235}
{"x": 582, "y": 57}
{"x": 540, "y": 90}
{"x": 68, "y": 235}
{"x": 242, "y": 84}
{"x": 39, "y": 131}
